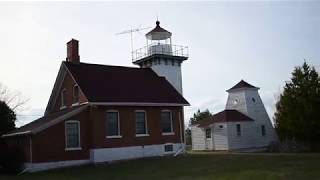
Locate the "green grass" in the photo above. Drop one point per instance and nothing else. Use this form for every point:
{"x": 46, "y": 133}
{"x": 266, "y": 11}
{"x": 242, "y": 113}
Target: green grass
{"x": 196, "y": 166}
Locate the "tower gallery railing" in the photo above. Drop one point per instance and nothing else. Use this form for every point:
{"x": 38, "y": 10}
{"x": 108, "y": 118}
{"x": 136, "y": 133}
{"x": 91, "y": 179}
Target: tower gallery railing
{"x": 156, "y": 48}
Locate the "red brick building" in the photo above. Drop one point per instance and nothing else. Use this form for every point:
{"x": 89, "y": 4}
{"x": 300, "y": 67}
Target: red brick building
{"x": 100, "y": 113}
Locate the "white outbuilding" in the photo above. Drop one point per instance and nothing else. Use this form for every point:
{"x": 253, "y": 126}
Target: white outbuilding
{"x": 244, "y": 124}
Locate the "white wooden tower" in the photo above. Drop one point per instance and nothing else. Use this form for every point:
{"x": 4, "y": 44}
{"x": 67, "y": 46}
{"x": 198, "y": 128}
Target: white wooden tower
{"x": 162, "y": 56}
{"x": 245, "y": 98}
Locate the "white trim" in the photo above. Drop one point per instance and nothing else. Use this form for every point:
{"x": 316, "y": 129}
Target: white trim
{"x": 114, "y": 137}
{"x": 142, "y": 135}
{"x": 75, "y": 104}
{"x": 119, "y": 133}
{"x": 168, "y": 134}
{"x": 136, "y": 104}
{"x": 15, "y": 134}
{"x": 145, "y": 121}
{"x": 65, "y": 135}
{"x": 171, "y": 121}
{"x": 131, "y": 152}
{"x": 73, "y": 149}
{"x": 63, "y": 107}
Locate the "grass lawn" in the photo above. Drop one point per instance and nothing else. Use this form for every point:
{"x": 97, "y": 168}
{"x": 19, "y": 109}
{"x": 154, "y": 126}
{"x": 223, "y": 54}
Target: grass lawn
{"x": 195, "y": 166}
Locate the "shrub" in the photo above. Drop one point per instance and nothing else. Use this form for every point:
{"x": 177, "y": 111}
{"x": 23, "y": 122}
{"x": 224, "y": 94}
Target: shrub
{"x": 11, "y": 160}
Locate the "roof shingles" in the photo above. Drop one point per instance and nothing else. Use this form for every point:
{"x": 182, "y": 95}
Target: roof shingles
{"x": 102, "y": 83}
{"x": 228, "y": 115}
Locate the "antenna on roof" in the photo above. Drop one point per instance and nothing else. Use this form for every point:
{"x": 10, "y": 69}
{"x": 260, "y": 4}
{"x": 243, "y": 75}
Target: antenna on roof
{"x": 131, "y": 31}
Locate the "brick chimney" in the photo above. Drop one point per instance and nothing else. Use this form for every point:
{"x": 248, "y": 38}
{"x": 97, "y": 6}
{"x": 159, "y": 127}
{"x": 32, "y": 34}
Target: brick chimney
{"x": 73, "y": 51}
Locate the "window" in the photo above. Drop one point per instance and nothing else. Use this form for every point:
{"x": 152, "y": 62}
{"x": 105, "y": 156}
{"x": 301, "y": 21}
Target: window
{"x": 253, "y": 100}
{"x": 166, "y": 117}
{"x": 63, "y": 98}
{"x": 168, "y": 147}
{"x": 238, "y": 130}
{"x": 208, "y": 133}
{"x": 235, "y": 102}
{"x": 75, "y": 94}
{"x": 113, "y": 128}
{"x": 72, "y": 132}
{"x": 263, "y": 130}
{"x": 141, "y": 125}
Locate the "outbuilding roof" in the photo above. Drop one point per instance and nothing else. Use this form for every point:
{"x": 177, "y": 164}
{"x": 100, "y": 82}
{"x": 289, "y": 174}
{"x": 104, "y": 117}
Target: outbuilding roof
{"x": 103, "y": 83}
{"x": 228, "y": 115}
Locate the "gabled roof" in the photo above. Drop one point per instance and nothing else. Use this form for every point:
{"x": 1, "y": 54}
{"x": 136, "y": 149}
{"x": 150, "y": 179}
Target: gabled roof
{"x": 242, "y": 84}
{"x": 46, "y": 121}
{"x": 117, "y": 84}
{"x": 228, "y": 115}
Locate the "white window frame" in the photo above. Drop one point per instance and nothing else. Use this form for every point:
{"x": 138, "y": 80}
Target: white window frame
{"x": 63, "y": 98}
{"x": 119, "y": 133}
{"x": 73, "y": 96}
{"x": 171, "y": 119}
{"x": 168, "y": 152}
{"x": 65, "y": 134}
{"x": 146, "y": 122}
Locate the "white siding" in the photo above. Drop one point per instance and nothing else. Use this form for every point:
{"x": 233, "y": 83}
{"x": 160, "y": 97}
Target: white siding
{"x": 132, "y": 152}
{"x": 220, "y": 139}
{"x": 197, "y": 138}
{"x": 245, "y": 140}
{"x": 171, "y": 72}
{"x": 256, "y": 110}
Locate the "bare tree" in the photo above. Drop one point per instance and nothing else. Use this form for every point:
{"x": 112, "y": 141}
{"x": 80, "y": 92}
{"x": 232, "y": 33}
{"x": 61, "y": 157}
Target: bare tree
{"x": 14, "y": 99}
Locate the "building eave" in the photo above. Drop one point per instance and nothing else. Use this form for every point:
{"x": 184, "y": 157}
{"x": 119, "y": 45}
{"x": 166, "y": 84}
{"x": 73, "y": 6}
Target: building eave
{"x": 135, "y": 104}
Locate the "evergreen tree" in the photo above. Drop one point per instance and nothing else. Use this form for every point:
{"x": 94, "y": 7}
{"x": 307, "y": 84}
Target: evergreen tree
{"x": 199, "y": 116}
{"x": 297, "y": 114}
{"x": 7, "y": 118}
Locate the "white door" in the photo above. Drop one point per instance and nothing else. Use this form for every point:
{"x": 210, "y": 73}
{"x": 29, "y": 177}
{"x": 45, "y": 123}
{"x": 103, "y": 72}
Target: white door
{"x": 208, "y": 138}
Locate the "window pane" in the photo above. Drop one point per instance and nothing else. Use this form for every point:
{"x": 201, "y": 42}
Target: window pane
{"x": 238, "y": 130}
{"x": 166, "y": 122}
{"x": 75, "y": 94}
{"x": 72, "y": 134}
{"x": 140, "y": 122}
{"x": 208, "y": 133}
{"x": 263, "y": 130}
{"x": 64, "y": 98}
{"x": 168, "y": 148}
{"x": 112, "y": 124}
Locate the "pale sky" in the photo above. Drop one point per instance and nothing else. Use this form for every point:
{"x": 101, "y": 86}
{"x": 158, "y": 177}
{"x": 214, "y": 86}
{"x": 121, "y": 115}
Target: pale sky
{"x": 260, "y": 42}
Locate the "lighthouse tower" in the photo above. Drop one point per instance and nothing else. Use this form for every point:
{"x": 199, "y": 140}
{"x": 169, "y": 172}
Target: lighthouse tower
{"x": 161, "y": 56}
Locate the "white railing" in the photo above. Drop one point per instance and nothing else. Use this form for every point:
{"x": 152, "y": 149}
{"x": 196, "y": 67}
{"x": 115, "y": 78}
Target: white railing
{"x": 165, "y": 49}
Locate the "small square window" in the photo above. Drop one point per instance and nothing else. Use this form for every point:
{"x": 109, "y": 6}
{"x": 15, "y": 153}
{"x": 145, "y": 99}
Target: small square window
{"x": 168, "y": 148}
